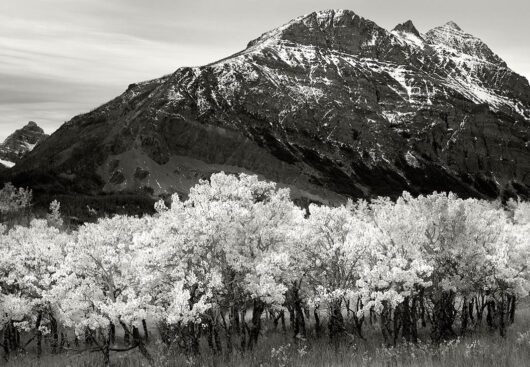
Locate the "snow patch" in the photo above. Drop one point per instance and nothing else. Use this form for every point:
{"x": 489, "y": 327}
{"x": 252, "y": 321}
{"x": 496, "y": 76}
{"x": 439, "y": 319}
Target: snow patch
{"x": 8, "y": 164}
{"x": 409, "y": 39}
{"x": 30, "y": 146}
{"x": 412, "y": 160}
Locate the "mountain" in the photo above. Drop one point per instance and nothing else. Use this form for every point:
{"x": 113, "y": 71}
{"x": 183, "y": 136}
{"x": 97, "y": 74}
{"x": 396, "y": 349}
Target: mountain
{"x": 329, "y": 104}
{"x": 19, "y": 143}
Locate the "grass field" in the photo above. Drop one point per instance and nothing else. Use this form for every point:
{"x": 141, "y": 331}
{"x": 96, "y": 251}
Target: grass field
{"x": 482, "y": 349}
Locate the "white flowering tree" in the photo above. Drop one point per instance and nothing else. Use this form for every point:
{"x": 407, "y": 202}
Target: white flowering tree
{"x": 238, "y": 248}
{"x": 30, "y": 259}
{"x": 98, "y": 285}
{"x": 335, "y": 243}
{"x": 218, "y": 254}
{"x": 455, "y": 245}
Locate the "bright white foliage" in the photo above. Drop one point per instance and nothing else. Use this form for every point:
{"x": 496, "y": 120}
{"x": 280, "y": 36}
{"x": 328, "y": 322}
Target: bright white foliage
{"x": 238, "y": 240}
{"x": 31, "y": 256}
{"x": 98, "y": 282}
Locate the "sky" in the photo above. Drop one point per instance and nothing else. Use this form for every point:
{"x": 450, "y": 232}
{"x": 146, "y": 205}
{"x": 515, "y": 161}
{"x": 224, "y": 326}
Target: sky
{"x": 60, "y": 58}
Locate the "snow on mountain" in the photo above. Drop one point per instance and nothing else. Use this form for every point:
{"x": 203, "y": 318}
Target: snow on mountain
{"x": 7, "y": 164}
{"x": 329, "y": 104}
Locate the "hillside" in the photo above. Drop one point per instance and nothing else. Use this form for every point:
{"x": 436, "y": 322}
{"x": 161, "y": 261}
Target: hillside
{"x": 329, "y": 104}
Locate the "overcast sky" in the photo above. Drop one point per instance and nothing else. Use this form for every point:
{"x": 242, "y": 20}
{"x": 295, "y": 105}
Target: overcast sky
{"x": 59, "y": 58}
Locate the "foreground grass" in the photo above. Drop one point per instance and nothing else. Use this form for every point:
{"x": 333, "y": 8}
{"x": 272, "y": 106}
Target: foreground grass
{"x": 484, "y": 349}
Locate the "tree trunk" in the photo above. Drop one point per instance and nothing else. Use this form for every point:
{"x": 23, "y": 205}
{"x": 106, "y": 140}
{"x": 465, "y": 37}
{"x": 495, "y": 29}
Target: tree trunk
{"x": 408, "y": 319}
{"x": 464, "y": 317}
{"x": 55, "y": 335}
{"x": 210, "y": 337}
{"x": 299, "y": 314}
{"x": 146, "y": 332}
{"x": 112, "y": 333}
{"x": 336, "y": 321}
{"x": 235, "y": 316}
{"x": 255, "y": 328}
{"x": 490, "y": 306}
{"x": 443, "y": 317}
{"x": 126, "y": 336}
{"x": 398, "y": 322}
{"x": 136, "y": 335}
{"x": 414, "y": 321}
{"x": 512, "y": 308}
{"x": 244, "y": 330}
{"x": 479, "y": 308}
{"x": 228, "y": 331}
{"x": 501, "y": 316}
{"x": 14, "y": 337}
{"x": 88, "y": 337}
{"x": 385, "y": 321}
{"x": 318, "y": 326}
{"x": 106, "y": 350}
{"x": 292, "y": 318}
{"x": 38, "y": 334}
{"x": 64, "y": 341}
{"x": 422, "y": 309}
{"x": 193, "y": 339}
{"x": 217, "y": 340}
{"x": 6, "y": 342}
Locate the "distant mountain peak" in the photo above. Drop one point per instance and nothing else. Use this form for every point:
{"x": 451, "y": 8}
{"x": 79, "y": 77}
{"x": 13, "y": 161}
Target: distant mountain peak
{"x": 32, "y": 126}
{"x": 19, "y": 143}
{"x": 407, "y": 27}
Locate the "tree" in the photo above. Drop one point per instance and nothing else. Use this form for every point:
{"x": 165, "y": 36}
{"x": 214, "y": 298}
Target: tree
{"x": 14, "y": 203}
{"x": 30, "y": 259}
{"x": 219, "y": 253}
{"x": 98, "y": 285}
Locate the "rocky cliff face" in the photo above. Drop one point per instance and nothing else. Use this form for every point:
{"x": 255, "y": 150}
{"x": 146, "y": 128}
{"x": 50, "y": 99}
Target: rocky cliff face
{"x": 330, "y": 104}
{"x": 18, "y": 144}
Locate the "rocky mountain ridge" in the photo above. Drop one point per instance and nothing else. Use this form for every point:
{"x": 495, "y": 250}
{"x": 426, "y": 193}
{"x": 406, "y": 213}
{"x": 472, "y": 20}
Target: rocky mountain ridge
{"x": 329, "y": 104}
{"x": 19, "y": 143}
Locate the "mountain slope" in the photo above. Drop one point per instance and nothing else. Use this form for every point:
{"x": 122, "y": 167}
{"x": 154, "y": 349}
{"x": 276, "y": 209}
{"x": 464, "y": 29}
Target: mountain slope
{"x": 329, "y": 104}
{"x": 19, "y": 143}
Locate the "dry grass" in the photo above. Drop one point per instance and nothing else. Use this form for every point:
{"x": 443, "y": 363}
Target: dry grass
{"x": 484, "y": 349}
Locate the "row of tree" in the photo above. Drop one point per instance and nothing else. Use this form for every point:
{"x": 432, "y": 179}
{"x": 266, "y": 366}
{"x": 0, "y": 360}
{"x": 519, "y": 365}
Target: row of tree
{"x": 238, "y": 249}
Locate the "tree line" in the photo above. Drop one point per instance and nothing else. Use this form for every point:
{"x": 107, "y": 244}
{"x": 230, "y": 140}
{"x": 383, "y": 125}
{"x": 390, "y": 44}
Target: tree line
{"x": 238, "y": 252}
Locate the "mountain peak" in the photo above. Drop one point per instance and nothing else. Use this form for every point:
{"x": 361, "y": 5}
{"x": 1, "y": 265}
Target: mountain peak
{"x": 407, "y": 27}
{"x": 324, "y": 16}
{"x": 453, "y": 39}
{"x": 338, "y": 29}
{"x": 32, "y": 126}
{"x": 452, "y": 25}
{"x": 20, "y": 142}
